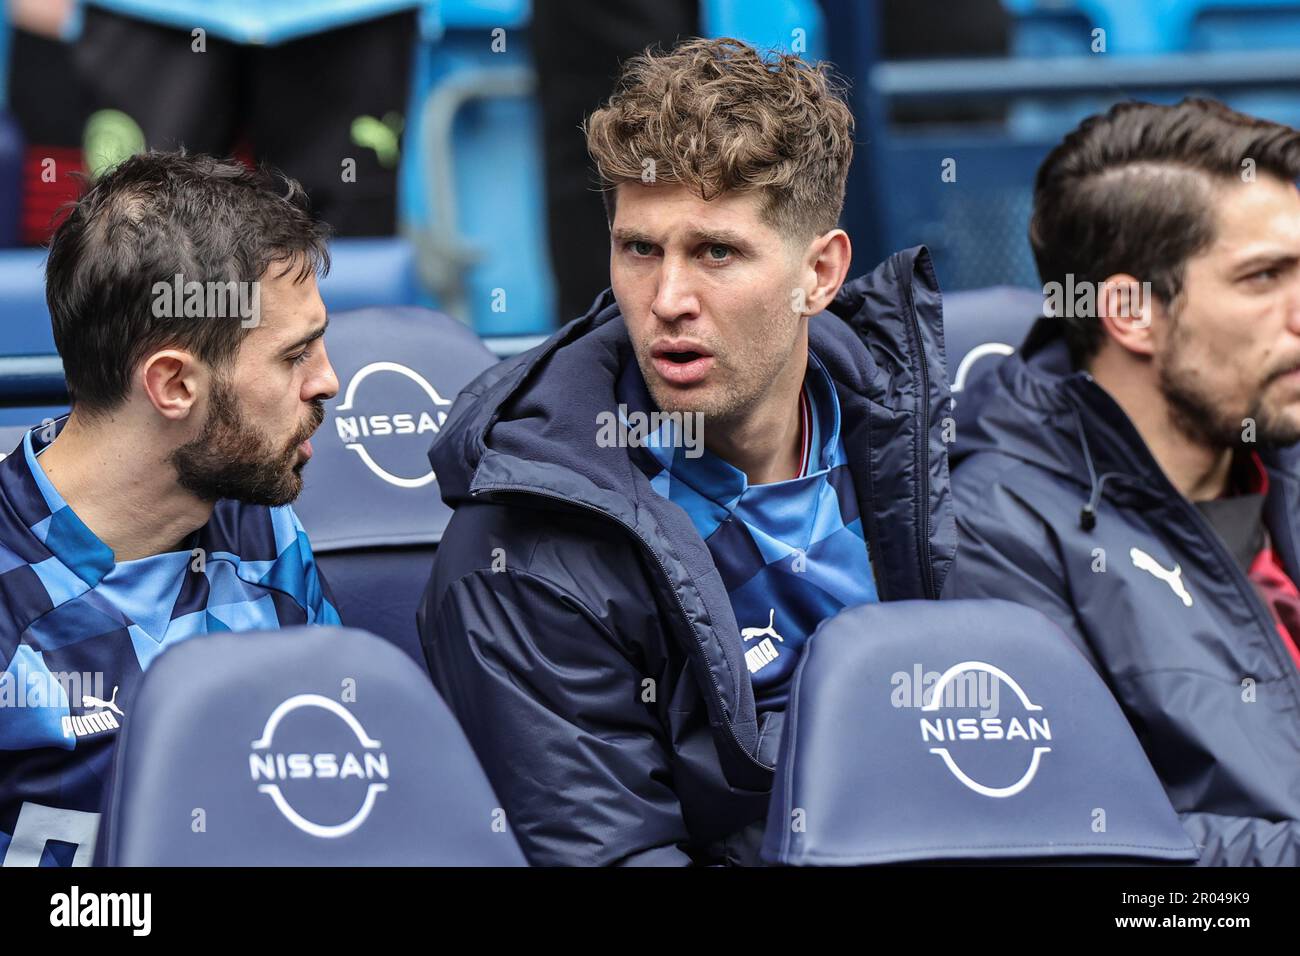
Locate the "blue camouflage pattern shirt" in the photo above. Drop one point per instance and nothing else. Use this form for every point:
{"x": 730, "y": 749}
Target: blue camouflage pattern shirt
{"x": 78, "y": 630}
{"x": 787, "y": 557}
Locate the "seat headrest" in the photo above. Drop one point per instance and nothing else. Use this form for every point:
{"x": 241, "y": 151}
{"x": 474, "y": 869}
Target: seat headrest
{"x": 959, "y": 730}
{"x": 369, "y": 482}
{"x": 982, "y": 326}
{"x": 302, "y": 747}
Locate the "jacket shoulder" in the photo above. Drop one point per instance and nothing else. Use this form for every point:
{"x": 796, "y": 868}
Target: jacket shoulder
{"x": 978, "y": 473}
{"x": 582, "y": 555}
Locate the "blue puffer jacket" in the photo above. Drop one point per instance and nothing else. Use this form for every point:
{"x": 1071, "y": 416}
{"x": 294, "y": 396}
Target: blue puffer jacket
{"x": 1208, "y": 685}
{"x": 575, "y": 621}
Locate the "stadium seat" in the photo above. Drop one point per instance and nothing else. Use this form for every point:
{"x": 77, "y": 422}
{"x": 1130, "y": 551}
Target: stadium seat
{"x": 32, "y": 390}
{"x": 302, "y": 747}
{"x": 21, "y": 418}
{"x": 472, "y": 171}
{"x": 10, "y": 437}
{"x": 928, "y": 731}
{"x": 981, "y": 326}
{"x": 370, "y": 500}
{"x": 371, "y": 272}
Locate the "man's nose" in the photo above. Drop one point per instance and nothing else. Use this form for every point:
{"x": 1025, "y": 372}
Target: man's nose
{"x": 1293, "y": 304}
{"x": 325, "y": 384}
{"x": 675, "y": 298}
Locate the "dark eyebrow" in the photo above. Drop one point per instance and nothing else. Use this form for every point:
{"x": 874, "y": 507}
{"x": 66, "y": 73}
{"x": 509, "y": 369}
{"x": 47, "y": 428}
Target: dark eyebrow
{"x": 623, "y": 234}
{"x": 698, "y": 237}
{"x": 721, "y": 237}
{"x": 307, "y": 339}
{"x": 1276, "y": 260}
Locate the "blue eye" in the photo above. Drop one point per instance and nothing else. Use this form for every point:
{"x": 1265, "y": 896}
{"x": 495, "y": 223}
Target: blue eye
{"x": 641, "y": 248}
{"x": 715, "y": 248}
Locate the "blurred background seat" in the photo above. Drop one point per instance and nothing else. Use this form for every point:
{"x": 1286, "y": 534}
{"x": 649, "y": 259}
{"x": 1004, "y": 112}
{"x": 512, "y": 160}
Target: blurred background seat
{"x": 301, "y": 747}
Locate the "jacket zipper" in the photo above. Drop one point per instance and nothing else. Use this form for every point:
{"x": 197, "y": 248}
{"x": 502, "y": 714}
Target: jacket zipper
{"x": 923, "y": 533}
{"x": 717, "y": 691}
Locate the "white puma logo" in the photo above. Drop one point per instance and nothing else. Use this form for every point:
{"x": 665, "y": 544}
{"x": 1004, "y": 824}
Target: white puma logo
{"x": 1174, "y": 578}
{"x": 90, "y": 700}
{"x": 749, "y": 633}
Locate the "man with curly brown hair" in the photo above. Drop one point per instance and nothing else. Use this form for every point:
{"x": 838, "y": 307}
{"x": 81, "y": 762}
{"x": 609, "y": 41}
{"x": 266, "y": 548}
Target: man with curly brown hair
{"x": 657, "y": 507}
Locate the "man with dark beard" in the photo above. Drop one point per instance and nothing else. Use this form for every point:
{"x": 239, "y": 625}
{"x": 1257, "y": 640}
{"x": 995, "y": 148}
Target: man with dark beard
{"x": 1131, "y": 472}
{"x": 183, "y": 296}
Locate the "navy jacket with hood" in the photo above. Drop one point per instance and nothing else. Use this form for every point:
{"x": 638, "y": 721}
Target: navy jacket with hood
{"x": 1054, "y": 490}
{"x": 575, "y": 621}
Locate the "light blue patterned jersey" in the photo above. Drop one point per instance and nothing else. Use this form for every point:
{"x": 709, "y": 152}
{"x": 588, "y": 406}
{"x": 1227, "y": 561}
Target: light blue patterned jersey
{"x": 78, "y": 630}
{"x": 790, "y": 553}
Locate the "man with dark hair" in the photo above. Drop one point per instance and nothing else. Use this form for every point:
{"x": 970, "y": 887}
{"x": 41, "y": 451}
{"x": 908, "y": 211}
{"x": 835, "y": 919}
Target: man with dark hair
{"x": 1131, "y": 473}
{"x": 183, "y": 296}
{"x": 657, "y": 507}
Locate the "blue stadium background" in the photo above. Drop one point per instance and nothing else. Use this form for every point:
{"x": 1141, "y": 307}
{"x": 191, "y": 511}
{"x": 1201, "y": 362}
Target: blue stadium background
{"x": 472, "y": 203}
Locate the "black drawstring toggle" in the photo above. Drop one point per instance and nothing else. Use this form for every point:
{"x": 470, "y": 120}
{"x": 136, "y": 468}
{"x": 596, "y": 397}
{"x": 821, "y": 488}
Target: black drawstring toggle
{"x": 1088, "y": 517}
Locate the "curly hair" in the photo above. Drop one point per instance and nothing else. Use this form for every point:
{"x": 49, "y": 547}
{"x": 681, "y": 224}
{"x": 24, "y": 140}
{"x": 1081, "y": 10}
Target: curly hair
{"x": 715, "y": 116}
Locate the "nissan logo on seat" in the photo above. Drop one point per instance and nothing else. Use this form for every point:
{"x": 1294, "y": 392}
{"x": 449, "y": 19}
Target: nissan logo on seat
{"x": 306, "y": 770}
{"x": 375, "y": 434}
{"x": 990, "y": 732}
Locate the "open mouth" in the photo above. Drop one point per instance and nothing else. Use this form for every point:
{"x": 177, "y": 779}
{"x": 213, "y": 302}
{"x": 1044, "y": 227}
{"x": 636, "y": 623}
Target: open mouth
{"x": 681, "y": 358}
{"x": 681, "y": 364}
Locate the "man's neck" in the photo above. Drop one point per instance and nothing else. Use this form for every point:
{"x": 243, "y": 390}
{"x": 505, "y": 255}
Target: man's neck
{"x": 122, "y": 489}
{"x": 1199, "y": 471}
{"x": 767, "y": 444}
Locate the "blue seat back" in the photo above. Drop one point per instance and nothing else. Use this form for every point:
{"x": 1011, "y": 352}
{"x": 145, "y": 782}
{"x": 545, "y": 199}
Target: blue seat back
{"x": 983, "y": 326}
{"x": 303, "y": 747}
{"x": 959, "y": 730}
{"x": 370, "y": 500}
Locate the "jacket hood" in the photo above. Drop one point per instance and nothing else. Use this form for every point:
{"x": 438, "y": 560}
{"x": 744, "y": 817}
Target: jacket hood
{"x": 1027, "y": 407}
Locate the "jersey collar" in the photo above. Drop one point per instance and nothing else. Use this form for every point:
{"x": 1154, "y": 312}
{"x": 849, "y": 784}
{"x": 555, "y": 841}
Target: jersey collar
{"x": 718, "y": 480}
{"x": 60, "y": 530}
